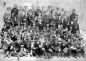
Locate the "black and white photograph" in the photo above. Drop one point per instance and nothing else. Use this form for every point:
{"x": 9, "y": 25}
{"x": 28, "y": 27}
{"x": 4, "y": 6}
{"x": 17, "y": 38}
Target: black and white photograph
{"x": 42, "y": 30}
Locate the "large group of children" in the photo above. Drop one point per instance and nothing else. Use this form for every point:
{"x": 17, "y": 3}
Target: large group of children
{"x": 41, "y": 32}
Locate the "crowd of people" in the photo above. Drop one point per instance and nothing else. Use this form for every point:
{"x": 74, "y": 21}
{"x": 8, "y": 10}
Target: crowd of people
{"x": 41, "y": 32}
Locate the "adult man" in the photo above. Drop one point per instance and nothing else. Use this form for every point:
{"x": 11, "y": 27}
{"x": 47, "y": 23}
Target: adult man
{"x": 14, "y": 11}
{"x": 73, "y": 15}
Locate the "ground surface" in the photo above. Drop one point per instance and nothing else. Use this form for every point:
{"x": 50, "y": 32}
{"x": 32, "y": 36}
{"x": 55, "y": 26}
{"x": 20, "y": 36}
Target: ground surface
{"x": 28, "y": 58}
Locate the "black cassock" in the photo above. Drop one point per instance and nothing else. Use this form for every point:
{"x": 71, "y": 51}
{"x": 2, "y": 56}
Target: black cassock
{"x": 14, "y": 11}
